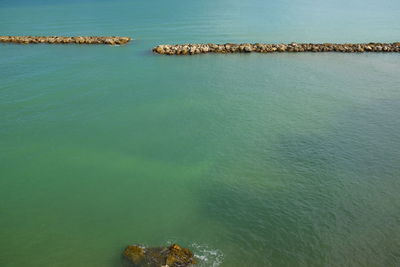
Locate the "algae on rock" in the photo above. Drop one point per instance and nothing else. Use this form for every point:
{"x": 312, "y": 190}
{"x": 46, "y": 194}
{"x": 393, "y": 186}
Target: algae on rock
{"x": 172, "y": 256}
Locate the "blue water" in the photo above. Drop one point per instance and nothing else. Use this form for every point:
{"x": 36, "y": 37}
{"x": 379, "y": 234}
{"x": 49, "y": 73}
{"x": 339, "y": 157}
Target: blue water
{"x": 249, "y": 160}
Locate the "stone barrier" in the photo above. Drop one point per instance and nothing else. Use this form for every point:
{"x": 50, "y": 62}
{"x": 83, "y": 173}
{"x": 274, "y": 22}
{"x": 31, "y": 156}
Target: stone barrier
{"x": 113, "y": 40}
{"x": 192, "y": 49}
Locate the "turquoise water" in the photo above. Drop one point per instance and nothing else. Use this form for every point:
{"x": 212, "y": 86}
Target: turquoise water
{"x": 249, "y": 160}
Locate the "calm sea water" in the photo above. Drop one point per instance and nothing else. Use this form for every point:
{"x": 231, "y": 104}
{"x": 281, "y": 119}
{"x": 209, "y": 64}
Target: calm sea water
{"x": 249, "y": 160}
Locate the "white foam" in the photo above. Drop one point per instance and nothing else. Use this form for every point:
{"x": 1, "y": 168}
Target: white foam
{"x": 206, "y": 256}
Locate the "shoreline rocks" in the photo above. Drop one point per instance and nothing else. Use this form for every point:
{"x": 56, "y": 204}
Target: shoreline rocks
{"x": 193, "y": 49}
{"x": 172, "y": 256}
{"x": 110, "y": 40}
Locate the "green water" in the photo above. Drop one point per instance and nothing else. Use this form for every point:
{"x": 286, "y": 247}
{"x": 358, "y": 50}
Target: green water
{"x": 249, "y": 160}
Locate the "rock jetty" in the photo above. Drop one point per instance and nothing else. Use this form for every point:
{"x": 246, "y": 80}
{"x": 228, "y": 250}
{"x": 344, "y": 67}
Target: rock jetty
{"x": 192, "y": 49}
{"x": 113, "y": 40}
{"x": 172, "y": 256}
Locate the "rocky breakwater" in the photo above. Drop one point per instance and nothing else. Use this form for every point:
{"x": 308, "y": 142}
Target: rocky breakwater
{"x": 192, "y": 49}
{"x": 172, "y": 256}
{"x": 113, "y": 40}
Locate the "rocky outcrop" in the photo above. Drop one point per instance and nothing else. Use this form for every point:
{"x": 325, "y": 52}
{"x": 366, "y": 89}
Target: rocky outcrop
{"x": 192, "y": 49}
{"x": 65, "y": 40}
{"x": 172, "y": 256}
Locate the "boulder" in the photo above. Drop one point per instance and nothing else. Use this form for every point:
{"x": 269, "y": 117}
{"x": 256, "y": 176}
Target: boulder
{"x": 179, "y": 257}
{"x": 159, "y": 49}
{"x": 172, "y": 256}
{"x": 248, "y": 49}
{"x": 135, "y": 254}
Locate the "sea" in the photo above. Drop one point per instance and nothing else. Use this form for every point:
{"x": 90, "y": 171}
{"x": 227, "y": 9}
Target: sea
{"x": 247, "y": 159}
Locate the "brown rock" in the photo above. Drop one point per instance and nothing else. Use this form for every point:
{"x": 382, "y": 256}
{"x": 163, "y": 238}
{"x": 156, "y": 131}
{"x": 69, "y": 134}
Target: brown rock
{"x": 248, "y": 49}
{"x": 172, "y": 256}
{"x": 178, "y": 257}
{"x": 159, "y": 49}
{"x": 135, "y": 254}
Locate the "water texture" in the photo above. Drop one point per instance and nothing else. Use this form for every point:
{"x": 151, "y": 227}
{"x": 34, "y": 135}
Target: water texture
{"x": 249, "y": 160}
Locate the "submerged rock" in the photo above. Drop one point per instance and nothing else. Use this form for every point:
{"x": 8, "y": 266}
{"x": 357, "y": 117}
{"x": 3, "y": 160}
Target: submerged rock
{"x": 172, "y": 256}
{"x": 135, "y": 254}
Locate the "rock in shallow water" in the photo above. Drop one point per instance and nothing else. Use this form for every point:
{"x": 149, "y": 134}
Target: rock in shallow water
{"x": 172, "y": 256}
{"x": 135, "y": 254}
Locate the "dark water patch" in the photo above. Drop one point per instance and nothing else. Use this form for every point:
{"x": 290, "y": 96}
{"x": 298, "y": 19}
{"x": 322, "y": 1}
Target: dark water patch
{"x": 323, "y": 198}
